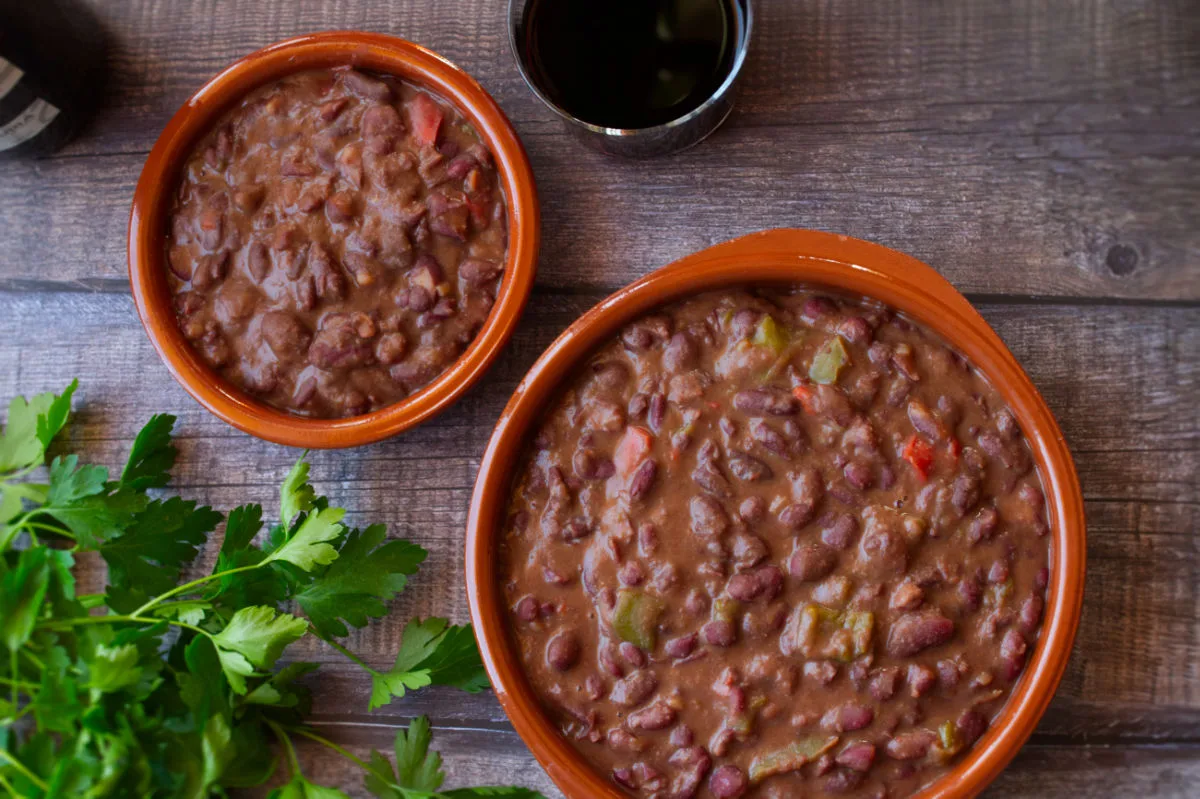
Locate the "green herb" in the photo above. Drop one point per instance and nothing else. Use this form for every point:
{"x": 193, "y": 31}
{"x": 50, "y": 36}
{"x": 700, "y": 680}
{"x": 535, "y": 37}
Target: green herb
{"x": 157, "y": 688}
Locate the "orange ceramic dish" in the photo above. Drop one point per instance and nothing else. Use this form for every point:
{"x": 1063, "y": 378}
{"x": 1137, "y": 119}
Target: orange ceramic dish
{"x": 827, "y": 261}
{"x": 152, "y": 201}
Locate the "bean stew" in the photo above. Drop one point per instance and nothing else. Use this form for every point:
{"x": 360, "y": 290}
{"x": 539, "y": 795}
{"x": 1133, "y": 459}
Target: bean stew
{"x": 774, "y": 543}
{"x": 336, "y": 241}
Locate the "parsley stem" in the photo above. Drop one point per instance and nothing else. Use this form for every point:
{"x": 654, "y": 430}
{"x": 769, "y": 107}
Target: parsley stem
{"x": 286, "y": 740}
{"x": 188, "y": 586}
{"x": 24, "y": 770}
{"x": 25, "y": 685}
{"x": 312, "y": 736}
{"x": 343, "y": 650}
{"x": 15, "y": 672}
{"x": 49, "y": 528}
{"x": 131, "y": 619}
{"x": 34, "y": 659}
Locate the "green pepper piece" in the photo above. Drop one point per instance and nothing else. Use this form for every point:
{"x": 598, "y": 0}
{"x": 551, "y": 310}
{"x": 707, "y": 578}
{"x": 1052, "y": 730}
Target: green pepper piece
{"x": 790, "y": 757}
{"x": 725, "y": 609}
{"x": 770, "y": 334}
{"x": 635, "y": 618}
{"x": 825, "y": 633}
{"x": 948, "y": 744}
{"x": 829, "y": 361}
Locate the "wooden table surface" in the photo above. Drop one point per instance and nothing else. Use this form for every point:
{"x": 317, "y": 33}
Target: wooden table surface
{"x": 1044, "y": 155}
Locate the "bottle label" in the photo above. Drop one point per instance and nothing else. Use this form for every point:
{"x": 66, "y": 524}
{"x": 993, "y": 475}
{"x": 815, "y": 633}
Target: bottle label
{"x": 32, "y": 120}
{"x": 10, "y": 76}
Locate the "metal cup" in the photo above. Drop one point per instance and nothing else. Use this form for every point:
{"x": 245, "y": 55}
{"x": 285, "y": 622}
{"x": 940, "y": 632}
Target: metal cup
{"x": 670, "y": 137}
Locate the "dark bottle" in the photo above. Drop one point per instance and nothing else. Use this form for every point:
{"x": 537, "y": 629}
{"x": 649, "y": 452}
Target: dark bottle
{"x": 51, "y": 73}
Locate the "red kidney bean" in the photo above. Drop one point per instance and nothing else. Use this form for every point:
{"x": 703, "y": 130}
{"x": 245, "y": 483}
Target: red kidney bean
{"x": 822, "y": 671}
{"x": 884, "y": 683}
{"x": 632, "y": 655}
{"x": 285, "y": 334}
{"x": 477, "y": 272}
{"x": 728, "y": 782}
{"x": 366, "y": 87}
{"x": 839, "y": 534}
{"x": 859, "y": 475}
{"x": 634, "y": 689}
{"x": 950, "y": 672}
{"x": 657, "y": 716}
{"x": 920, "y": 679}
{"x": 1012, "y": 654}
{"x": 768, "y": 400}
{"x": 966, "y": 493}
{"x": 719, "y": 633}
{"x": 590, "y": 466}
{"x": 562, "y": 652}
{"x": 914, "y": 632}
{"x": 631, "y": 573}
{"x": 971, "y": 725}
{"x": 747, "y": 467}
{"x": 765, "y": 435}
{"x": 682, "y": 646}
{"x": 857, "y": 756}
{"x": 692, "y": 764}
{"x": 924, "y": 422}
{"x": 847, "y": 718}
{"x": 642, "y": 479}
{"x": 910, "y": 745}
{"x": 811, "y": 562}
{"x": 708, "y": 518}
{"x": 680, "y": 353}
{"x": 526, "y": 608}
{"x": 1030, "y": 615}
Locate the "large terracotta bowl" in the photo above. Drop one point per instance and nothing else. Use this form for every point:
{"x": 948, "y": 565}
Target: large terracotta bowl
{"x": 160, "y": 175}
{"x": 838, "y": 263}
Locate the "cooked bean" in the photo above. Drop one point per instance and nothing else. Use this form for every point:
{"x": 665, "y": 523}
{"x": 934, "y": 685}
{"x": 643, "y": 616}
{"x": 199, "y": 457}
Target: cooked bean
{"x": 913, "y": 632}
{"x": 858, "y": 756}
{"x": 752, "y": 509}
{"x": 747, "y": 467}
{"x": 719, "y": 633}
{"x": 840, "y": 533}
{"x": 761, "y": 432}
{"x": 768, "y": 400}
{"x": 811, "y": 562}
{"x": 910, "y": 745}
{"x": 657, "y": 716}
{"x": 643, "y": 479}
{"x": 728, "y": 782}
{"x": 847, "y": 718}
{"x": 365, "y": 86}
{"x": 562, "y": 653}
{"x": 634, "y": 689}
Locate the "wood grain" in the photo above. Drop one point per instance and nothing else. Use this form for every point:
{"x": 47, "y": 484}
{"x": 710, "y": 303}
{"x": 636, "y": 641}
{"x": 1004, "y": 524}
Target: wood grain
{"x": 1043, "y": 154}
{"x": 1037, "y": 149}
{"x": 476, "y": 757}
{"x": 1121, "y": 379}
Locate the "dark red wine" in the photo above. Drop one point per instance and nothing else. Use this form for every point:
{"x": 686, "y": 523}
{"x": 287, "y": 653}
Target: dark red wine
{"x": 51, "y": 73}
{"x": 629, "y": 63}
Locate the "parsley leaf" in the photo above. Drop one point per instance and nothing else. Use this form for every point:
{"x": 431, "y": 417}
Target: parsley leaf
{"x": 152, "y": 455}
{"x": 300, "y": 788}
{"x": 309, "y": 545}
{"x": 255, "y": 636}
{"x": 432, "y": 652}
{"x": 295, "y": 495}
{"x": 31, "y": 426}
{"x": 244, "y": 523}
{"x": 70, "y": 482}
{"x": 160, "y": 540}
{"x": 367, "y": 574}
{"x": 22, "y": 590}
{"x": 418, "y": 773}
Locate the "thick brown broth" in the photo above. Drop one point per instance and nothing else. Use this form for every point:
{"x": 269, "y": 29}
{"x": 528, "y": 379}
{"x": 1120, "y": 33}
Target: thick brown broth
{"x": 770, "y": 543}
{"x": 336, "y": 242}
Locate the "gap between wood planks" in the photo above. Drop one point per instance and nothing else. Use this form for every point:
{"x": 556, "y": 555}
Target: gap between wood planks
{"x": 103, "y": 285}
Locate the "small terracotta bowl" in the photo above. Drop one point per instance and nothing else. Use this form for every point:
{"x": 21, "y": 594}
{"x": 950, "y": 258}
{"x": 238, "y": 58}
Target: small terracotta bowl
{"x": 160, "y": 175}
{"x": 838, "y": 263}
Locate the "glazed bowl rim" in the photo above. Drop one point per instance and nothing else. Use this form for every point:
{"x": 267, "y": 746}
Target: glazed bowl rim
{"x": 837, "y": 263}
{"x": 149, "y": 213}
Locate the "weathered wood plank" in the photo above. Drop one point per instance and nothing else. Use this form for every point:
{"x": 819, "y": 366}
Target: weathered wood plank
{"x": 1013, "y": 149}
{"x": 1121, "y": 379}
{"x": 476, "y": 757}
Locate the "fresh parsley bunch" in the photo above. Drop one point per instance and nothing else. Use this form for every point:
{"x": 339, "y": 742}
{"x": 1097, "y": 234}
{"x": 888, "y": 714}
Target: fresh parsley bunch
{"x": 160, "y": 689}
